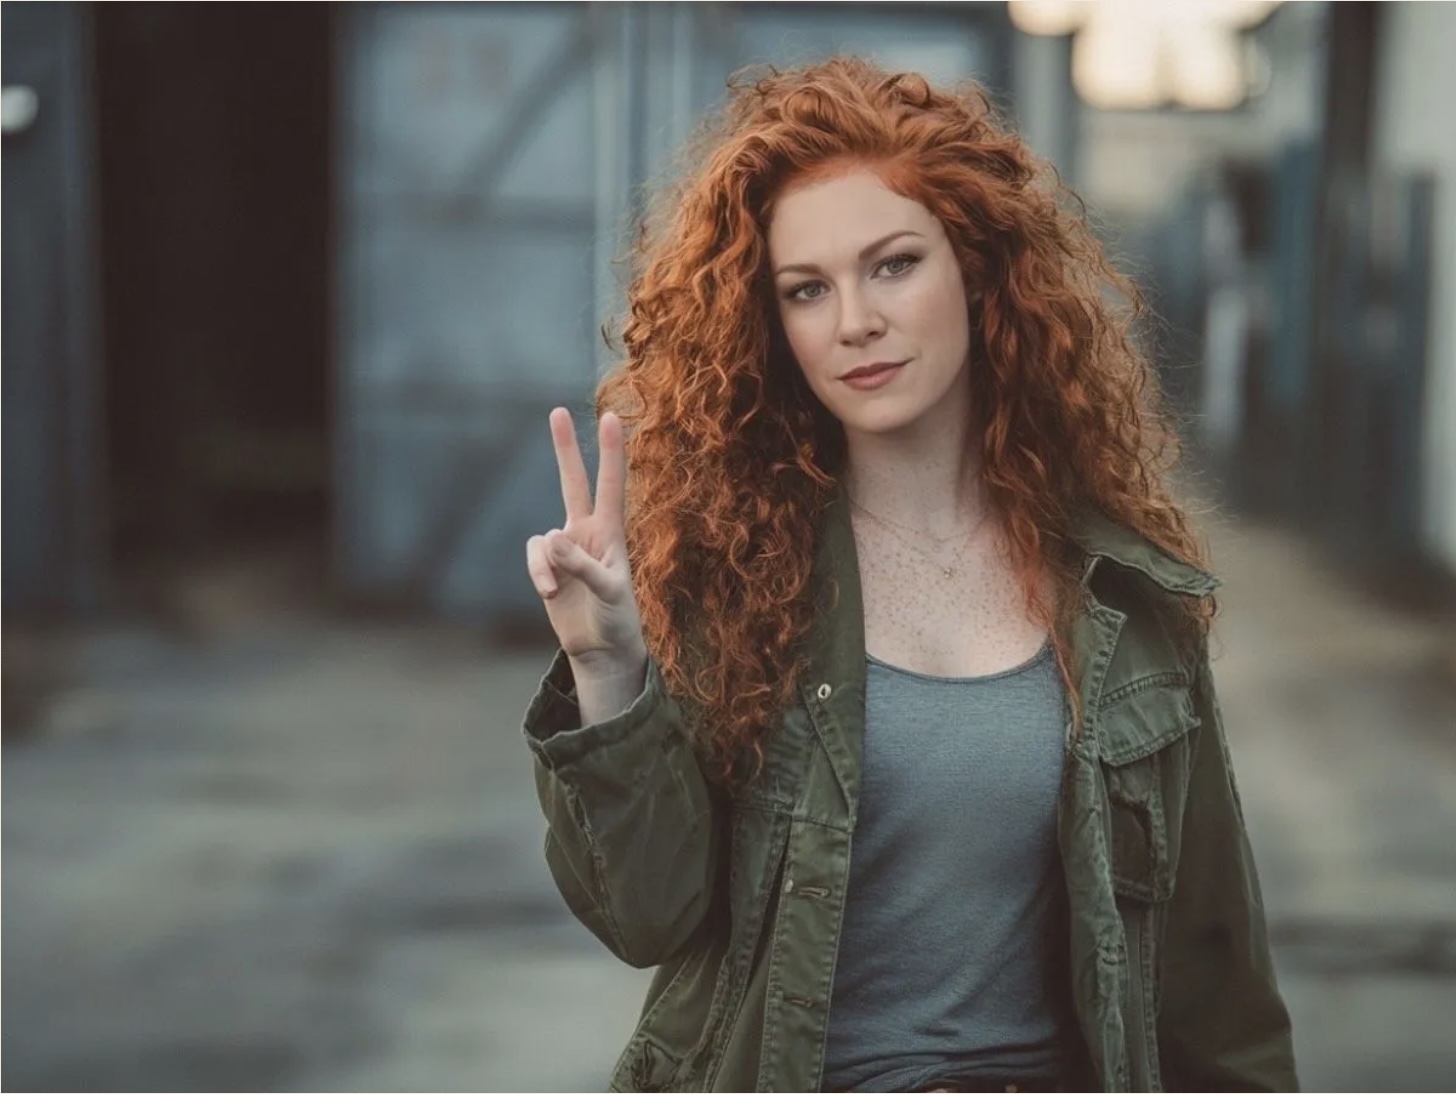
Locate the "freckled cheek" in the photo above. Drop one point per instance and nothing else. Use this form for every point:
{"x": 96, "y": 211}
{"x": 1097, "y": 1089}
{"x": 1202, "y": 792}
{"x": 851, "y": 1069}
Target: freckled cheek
{"x": 812, "y": 347}
{"x": 938, "y": 317}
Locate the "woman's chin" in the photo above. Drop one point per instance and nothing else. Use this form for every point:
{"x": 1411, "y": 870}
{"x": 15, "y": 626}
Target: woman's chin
{"x": 879, "y": 420}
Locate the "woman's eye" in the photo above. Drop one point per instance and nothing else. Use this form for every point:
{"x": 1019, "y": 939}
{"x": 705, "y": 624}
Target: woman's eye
{"x": 896, "y": 265}
{"x": 809, "y": 290}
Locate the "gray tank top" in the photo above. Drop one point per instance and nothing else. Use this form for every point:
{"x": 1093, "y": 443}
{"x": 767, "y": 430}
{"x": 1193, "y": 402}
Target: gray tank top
{"x": 954, "y": 924}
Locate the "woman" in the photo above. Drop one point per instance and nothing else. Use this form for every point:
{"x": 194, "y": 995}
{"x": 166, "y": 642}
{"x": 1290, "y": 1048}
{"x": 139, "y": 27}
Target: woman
{"x": 883, "y": 721}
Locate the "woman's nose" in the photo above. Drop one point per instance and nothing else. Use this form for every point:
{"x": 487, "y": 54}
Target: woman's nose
{"x": 859, "y": 321}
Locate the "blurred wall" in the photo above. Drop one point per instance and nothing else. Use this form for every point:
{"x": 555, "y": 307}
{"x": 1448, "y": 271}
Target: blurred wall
{"x": 1414, "y": 95}
{"x": 53, "y": 506}
{"x": 1301, "y": 253}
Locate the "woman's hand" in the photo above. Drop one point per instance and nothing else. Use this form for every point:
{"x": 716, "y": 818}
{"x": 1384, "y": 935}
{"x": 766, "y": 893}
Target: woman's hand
{"x": 581, "y": 569}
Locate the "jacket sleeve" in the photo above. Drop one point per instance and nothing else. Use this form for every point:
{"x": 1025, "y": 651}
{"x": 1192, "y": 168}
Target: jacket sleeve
{"x": 1222, "y": 1024}
{"x": 631, "y": 832}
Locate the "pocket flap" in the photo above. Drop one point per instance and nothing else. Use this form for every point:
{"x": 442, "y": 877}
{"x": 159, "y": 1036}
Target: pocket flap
{"x": 1145, "y": 720}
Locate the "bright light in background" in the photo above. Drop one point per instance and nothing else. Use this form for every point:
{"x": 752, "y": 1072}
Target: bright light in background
{"x": 1140, "y": 54}
{"x": 1048, "y": 16}
{"x": 1115, "y": 66}
{"x": 1210, "y": 69}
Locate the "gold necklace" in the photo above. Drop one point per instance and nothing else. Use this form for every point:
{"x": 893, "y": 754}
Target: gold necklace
{"x": 888, "y": 523}
{"x": 895, "y": 530}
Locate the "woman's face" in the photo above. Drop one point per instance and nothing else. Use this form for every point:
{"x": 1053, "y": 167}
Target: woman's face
{"x": 872, "y": 302}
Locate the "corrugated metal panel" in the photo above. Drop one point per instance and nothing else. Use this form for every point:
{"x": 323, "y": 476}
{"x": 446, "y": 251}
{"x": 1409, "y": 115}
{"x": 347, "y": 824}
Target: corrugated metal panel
{"x": 488, "y": 160}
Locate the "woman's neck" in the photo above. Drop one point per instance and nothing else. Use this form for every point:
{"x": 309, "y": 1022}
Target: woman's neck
{"x": 929, "y": 481}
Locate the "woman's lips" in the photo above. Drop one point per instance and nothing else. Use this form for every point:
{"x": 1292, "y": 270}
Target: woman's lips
{"x": 878, "y": 376}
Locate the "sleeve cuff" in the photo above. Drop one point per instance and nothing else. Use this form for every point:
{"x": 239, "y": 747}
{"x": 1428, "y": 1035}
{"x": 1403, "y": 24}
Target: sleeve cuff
{"x": 553, "y": 726}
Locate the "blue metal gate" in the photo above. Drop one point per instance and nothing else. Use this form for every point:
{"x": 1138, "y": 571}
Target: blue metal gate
{"x": 489, "y": 161}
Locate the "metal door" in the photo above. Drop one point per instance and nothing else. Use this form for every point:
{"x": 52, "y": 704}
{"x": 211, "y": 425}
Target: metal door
{"x": 473, "y": 180}
{"x": 490, "y": 160}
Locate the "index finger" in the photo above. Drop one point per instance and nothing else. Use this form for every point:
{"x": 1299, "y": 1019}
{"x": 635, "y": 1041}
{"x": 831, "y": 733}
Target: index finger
{"x": 575, "y": 491}
{"x": 612, "y": 470}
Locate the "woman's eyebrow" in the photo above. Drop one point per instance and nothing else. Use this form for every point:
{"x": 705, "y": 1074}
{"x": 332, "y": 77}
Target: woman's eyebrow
{"x": 810, "y": 268}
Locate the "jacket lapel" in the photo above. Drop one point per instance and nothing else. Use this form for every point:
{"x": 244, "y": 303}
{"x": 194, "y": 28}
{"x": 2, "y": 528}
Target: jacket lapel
{"x": 834, "y": 688}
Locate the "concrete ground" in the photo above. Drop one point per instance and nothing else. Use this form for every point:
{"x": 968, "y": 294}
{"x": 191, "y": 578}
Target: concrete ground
{"x": 1341, "y": 713}
{"x": 276, "y": 850}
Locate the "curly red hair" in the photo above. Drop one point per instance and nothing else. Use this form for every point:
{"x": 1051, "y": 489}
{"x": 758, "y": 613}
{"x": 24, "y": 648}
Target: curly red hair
{"x": 732, "y": 459}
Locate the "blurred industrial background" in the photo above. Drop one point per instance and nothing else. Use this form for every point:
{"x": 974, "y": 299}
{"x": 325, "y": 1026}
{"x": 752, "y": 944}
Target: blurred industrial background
{"x": 287, "y": 297}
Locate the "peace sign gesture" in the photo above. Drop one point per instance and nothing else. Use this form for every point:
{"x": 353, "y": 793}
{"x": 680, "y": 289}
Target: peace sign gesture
{"x": 581, "y": 569}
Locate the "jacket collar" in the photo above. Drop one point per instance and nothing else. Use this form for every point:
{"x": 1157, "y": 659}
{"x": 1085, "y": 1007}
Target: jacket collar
{"x": 1101, "y": 538}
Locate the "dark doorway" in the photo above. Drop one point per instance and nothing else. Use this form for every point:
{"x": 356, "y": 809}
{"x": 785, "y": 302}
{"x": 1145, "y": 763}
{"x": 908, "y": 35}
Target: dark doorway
{"x": 214, "y": 163}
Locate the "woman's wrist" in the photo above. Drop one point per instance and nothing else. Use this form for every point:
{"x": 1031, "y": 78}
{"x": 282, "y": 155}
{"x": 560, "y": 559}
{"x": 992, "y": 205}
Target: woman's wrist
{"x": 607, "y": 685}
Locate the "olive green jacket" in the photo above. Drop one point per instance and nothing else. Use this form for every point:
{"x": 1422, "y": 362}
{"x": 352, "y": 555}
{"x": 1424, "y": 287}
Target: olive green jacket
{"x": 738, "y": 898}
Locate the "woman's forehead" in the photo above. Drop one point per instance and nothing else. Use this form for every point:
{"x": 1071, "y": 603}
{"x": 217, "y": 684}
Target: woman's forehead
{"x": 841, "y": 213}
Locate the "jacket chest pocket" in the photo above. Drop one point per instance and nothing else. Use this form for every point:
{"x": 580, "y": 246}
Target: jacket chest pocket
{"x": 1145, "y": 744}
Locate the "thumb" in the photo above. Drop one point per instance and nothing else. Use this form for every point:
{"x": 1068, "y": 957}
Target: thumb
{"x": 569, "y": 557}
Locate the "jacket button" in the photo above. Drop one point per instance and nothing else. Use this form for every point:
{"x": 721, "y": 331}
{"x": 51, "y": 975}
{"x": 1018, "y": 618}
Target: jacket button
{"x": 824, "y": 690}
{"x": 789, "y": 885}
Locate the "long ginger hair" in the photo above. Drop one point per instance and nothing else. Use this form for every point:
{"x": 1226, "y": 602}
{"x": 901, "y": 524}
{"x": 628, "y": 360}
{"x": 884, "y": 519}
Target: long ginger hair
{"x": 732, "y": 459}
